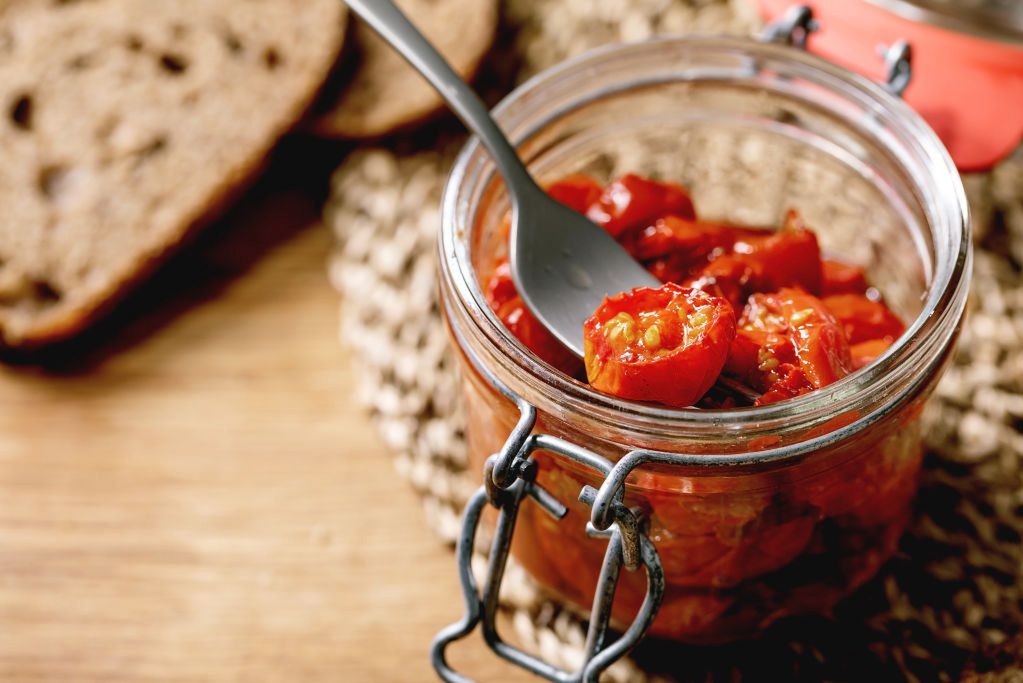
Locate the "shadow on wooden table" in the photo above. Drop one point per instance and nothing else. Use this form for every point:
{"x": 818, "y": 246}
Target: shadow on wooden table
{"x": 284, "y": 201}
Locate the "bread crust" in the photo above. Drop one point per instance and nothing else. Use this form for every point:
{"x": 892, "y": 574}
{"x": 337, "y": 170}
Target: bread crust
{"x": 385, "y": 95}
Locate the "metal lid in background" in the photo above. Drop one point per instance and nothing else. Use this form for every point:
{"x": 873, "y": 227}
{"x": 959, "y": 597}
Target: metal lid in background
{"x": 1000, "y": 20}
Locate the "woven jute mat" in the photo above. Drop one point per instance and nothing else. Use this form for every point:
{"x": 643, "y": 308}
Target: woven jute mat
{"x": 948, "y": 606}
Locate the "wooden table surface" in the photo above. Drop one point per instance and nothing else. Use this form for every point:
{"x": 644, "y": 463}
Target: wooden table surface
{"x": 191, "y": 493}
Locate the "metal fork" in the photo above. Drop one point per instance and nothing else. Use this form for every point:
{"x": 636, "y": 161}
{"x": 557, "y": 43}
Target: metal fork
{"x": 563, "y": 265}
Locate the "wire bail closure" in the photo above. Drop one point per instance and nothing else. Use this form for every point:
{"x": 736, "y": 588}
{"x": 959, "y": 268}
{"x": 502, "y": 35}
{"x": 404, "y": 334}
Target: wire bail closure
{"x": 627, "y": 546}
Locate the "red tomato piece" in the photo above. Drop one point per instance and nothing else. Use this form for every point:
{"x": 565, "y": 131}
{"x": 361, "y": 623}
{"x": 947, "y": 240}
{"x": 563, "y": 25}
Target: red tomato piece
{"x": 531, "y": 332}
{"x": 633, "y": 202}
{"x": 759, "y": 358}
{"x": 764, "y": 548}
{"x": 839, "y": 278}
{"x": 817, "y": 338}
{"x": 697, "y": 507}
{"x": 863, "y": 319}
{"x": 666, "y": 344}
{"x": 505, "y": 301}
{"x": 762, "y": 350}
{"x": 576, "y": 192}
{"x": 793, "y": 383}
{"x": 865, "y": 353}
{"x": 668, "y": 269}
{"x": 761, "y": 262}
{"x": 822, "y": 350}
{"x": 731, "y": 551}
{"x": 664, "y": 237}
{"x": 729, "y": 277}
{"x": 790, "y": 257}
{"x": 785, "y": 332}
{"x": 690, "y": 560}
{"x": 686, "y": 614}
{"x": 692, "y": 240}
{"x": 500, "y": 287}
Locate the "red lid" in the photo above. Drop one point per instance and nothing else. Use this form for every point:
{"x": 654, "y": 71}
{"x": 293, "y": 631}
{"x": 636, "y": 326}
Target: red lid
{"x": 967, "y": 63}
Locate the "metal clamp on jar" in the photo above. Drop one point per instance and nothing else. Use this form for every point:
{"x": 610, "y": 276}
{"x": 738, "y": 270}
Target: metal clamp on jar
{"x": 739, "y": 516}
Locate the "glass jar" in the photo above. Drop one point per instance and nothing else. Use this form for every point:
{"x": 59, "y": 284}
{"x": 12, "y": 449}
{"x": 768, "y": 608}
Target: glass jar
{"x": 752, "y": 130}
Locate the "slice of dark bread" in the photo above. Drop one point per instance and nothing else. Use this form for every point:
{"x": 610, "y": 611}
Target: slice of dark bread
{"x": 125, "y": 124}
{"x": 384, "y": 94}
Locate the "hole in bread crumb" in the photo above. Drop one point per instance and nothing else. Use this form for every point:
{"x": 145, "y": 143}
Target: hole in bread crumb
{"x": 53, "y": 182}
{"x": 271, "y": 58}
{"x": 233, "y": 43}
{"x": 80, "y": 63}
{"x": 45, "y": 292}
{"x": 134, "y": 43}
{"x": 178, "y": 31}
{"x": 154, "y": 147}
{"x": 107, "y": 127}
{"x": 173, "y": 64}
{"x": 21, "y": 112}
{"x": 6, "y": 42}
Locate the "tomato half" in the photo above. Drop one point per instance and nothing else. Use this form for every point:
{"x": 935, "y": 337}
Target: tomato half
{"x": 500, "y": 287}
{"x": 666, "y": 344}
{"x": 758, "y": 356}
{"x": 729, "y": 277}
{"x": 864, "y": 319}
{"x": 505, "y": 301}
{"x": 790, "y": 257}
{"x": 742, "y": 539}
{"x": 576, "y": 192}
{"x": 817, "y": 338}
{"x": 633, "y": 202}
{"x": 764, "y": 262}
{"x": 840, "y": 278}
{"x": 692, "y": 241}
{"x": 668, "y": 269}
{"x": 790, "y": 384}
{"x": 786, "y": 344}
{"x": 865, "y": 353}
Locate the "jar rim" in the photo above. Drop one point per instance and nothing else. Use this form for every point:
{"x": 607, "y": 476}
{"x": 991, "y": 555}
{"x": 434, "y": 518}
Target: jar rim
{"x": 924, "y": 341}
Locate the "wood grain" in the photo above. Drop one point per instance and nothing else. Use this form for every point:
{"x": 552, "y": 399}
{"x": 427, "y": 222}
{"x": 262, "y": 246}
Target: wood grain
{"x": 193, "y": 495}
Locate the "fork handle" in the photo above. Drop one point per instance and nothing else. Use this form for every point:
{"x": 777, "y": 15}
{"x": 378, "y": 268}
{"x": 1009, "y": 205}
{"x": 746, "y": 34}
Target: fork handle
{"x": 385, "y": 18}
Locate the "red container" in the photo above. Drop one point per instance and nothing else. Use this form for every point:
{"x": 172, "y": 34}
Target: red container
{"x": 967, "y": 63}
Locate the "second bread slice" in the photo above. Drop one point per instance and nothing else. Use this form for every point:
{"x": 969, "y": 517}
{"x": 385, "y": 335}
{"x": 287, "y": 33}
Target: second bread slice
{"x": 385, "y": 94}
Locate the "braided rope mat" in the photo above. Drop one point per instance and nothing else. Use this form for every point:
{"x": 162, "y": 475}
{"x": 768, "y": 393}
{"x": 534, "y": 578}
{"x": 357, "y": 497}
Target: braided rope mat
{"x": 950, "y": 604}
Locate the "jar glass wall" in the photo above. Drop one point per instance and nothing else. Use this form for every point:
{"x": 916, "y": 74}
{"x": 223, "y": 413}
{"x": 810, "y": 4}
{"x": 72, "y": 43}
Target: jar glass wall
{"x": 752, "y": 130}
